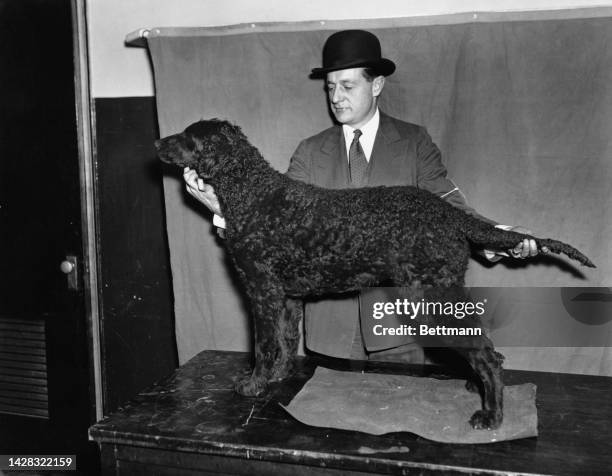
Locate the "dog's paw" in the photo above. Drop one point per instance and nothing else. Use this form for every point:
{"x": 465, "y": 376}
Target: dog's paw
{"x": 251, "y": 386}
{"x": 485, "y": 420}
{"x": 282, "y": 372}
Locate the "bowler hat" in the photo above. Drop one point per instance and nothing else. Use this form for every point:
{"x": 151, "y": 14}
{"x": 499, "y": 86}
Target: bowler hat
{"x": 353, "y": 49}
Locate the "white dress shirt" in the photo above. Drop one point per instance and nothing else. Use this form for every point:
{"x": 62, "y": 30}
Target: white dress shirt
{"x": 368, "y": 135}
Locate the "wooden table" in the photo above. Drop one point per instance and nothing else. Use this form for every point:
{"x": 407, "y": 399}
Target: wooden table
{"x": 193, "y": 423}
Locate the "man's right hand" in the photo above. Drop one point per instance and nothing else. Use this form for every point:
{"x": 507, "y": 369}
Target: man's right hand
{"x": 201, "y": 191}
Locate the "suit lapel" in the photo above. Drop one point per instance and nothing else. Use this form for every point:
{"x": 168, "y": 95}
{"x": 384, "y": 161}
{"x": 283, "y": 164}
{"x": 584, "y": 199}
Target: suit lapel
{"x": 387, "y": 155}
{"x": 332, "y": 168}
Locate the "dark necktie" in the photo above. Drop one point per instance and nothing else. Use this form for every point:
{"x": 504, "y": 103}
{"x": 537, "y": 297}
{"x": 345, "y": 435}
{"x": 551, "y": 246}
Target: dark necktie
{"x": 357, "y": 161}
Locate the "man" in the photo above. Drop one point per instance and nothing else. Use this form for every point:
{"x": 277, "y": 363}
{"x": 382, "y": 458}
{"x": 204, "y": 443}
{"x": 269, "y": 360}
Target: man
{"x": 366, "y": 148}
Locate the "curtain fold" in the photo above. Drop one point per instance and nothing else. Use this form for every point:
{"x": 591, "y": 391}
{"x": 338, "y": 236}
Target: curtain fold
{"x": 522, "y": 111}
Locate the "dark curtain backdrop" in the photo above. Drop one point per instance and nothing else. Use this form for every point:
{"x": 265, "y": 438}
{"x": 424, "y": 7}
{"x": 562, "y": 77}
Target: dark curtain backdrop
{"x": 522, "y": 111}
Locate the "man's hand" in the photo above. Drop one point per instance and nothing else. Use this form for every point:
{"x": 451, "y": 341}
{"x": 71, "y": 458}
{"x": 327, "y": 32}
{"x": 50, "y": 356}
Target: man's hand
{"x": 526, "y": 248}
{"x": 202, "y": 192}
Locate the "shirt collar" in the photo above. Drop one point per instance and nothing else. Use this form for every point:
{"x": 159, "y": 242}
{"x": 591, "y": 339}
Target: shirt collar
{"x": 368, "y": 134}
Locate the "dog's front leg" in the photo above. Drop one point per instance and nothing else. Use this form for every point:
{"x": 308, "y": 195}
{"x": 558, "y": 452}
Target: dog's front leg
{"x": 289, "y": 338}
{"x": 276, "y": 335}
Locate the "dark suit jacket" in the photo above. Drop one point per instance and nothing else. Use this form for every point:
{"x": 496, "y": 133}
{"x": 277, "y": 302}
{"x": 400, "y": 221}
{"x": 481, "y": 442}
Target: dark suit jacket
{"x": 403, "y": 154}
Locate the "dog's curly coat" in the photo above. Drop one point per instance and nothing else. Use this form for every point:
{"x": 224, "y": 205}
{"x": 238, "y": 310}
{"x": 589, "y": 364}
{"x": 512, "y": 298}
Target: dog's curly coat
{"x": 289, "y": 240}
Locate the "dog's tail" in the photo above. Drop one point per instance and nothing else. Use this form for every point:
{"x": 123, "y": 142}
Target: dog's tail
{"x": 489, "y": 237}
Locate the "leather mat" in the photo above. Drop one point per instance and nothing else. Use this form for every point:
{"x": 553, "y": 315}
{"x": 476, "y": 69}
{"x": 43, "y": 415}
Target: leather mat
{"x": 438, "y": 410}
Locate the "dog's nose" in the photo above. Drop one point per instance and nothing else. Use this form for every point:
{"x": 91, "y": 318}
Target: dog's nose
{"x": 158, "y": 144}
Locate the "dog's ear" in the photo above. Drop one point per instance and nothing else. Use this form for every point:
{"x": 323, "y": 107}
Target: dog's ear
{"x": 215, "y": 145}
{"x": 204, "y": 167}
{"x": 208, "y": 145}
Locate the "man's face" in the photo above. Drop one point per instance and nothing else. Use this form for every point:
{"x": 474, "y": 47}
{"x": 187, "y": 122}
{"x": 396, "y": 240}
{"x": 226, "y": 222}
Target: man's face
{"x": 352, "y": 97}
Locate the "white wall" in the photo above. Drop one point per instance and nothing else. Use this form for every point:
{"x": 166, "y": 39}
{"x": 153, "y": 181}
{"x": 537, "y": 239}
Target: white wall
{"x": 120, "y": 71}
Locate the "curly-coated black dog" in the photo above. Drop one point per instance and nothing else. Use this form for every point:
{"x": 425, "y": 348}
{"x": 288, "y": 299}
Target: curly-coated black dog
{"x": 289, "y": 240}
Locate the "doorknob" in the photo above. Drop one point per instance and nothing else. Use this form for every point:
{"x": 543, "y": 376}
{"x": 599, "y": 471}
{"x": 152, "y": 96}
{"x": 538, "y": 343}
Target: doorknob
{"x": 70, "y": 269}
{"x": 66, "y": 267}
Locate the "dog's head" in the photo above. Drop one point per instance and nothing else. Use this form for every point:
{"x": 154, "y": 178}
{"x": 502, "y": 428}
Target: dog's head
{"x": 205, "y": 146}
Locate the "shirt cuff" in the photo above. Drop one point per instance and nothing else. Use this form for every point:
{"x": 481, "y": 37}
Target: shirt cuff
{"x": 218, "y": 221}
{"x": 494, "y": 256}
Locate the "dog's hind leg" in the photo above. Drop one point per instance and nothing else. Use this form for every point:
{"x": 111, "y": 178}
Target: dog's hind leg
{"x": 476, "y": 349}
{"x": 276, "y": 336}
{"x": 487, "y": 365}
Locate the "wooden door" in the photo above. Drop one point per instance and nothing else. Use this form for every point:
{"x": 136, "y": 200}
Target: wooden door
{"x": 45, "y": 392}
